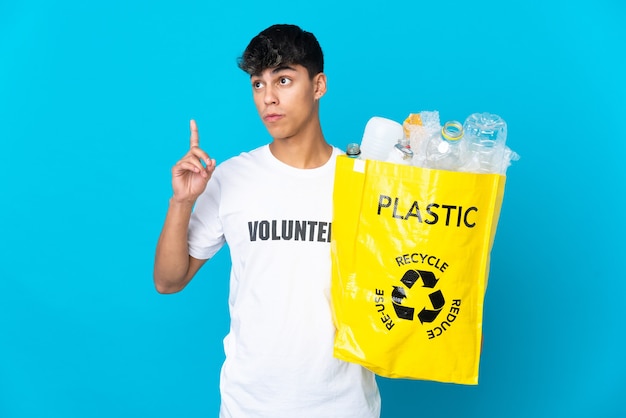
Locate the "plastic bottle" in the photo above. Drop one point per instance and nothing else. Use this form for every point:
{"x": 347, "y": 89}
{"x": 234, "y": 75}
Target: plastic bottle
{"x": 444, "y": 151}
{"x": 401, "y": 153}
{"x": 419, "y": 128}
{"x": 353, "y": 150}
{"x": 485, "y": 134}
{"x": 380, "y": 135}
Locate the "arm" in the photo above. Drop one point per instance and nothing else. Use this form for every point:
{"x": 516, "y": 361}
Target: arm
{"x": 173, "y": 266}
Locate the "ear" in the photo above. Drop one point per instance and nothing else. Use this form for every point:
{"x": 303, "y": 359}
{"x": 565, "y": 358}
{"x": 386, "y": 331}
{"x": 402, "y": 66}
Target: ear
{"x": 319, "y": 84}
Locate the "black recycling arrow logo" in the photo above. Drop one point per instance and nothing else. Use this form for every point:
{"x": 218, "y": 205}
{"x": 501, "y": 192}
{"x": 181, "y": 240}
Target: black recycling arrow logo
{"x": 429, "y": 315}
{"x": 399, "y": 294}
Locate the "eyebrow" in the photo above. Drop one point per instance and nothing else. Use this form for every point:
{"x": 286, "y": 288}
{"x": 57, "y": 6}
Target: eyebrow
{"x": 277, "y": 70}
{"x": 282, "y": 68}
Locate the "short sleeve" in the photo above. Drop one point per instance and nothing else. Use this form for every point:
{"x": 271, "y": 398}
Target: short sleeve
{"x": 206, "y": 234}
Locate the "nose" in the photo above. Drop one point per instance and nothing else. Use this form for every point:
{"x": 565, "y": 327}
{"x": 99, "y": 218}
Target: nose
{"x": 270, "y": 96}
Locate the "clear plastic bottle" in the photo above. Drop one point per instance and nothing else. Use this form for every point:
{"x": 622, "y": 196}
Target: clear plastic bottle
{"x": 401, "y": 153}
{"x": 419, "y": 128}
{"x": 353, "y": 150}
{"x": 444, "y": 151}
{"x": 485, "y": 135}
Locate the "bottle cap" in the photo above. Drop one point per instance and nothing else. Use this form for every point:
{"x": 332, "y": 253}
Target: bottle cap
{"x": 405, "y": 151}
{"x": 452, "y": 130}
{"x": 353, "y": 150}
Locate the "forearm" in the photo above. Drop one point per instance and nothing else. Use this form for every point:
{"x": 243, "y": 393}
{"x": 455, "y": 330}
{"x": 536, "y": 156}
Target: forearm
{"x": 171, "y": 265}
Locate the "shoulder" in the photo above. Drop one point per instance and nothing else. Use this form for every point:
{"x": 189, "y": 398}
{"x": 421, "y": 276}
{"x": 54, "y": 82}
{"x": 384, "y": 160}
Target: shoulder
{"x": 243, "y": 169}
{"x": 337, "y": 151}
{"x": 245, "y": 159}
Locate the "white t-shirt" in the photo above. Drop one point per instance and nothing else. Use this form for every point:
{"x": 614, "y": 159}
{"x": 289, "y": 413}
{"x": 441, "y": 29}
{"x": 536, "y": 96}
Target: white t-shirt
{"x": 276, "y": 220}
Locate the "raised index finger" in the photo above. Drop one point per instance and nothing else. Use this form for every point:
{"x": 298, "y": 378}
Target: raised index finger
{"x": 194, "y": 139}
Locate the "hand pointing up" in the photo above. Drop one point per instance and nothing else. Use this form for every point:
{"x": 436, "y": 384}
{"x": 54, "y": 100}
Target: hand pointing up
{"x": 191, "y": 174}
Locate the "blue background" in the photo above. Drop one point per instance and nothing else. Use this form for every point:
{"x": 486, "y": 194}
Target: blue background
{"x": 95, "y": 99}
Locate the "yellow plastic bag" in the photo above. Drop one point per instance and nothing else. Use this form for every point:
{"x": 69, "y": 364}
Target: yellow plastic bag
{"x": 410, "y": 254}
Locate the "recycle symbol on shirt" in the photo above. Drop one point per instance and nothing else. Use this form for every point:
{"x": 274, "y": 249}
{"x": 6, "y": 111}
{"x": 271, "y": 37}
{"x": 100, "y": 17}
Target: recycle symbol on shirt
{"x": 400, "y": 293}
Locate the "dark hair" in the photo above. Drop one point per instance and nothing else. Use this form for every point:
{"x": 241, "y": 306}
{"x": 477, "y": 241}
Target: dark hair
{"x": 282, "y": 45}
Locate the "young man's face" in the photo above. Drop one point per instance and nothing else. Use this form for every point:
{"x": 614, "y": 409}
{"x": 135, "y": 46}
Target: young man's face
{"x": 286, "y": 99}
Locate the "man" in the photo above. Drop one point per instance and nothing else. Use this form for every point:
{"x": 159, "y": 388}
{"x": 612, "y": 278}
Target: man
{"x": 273, "y": 206}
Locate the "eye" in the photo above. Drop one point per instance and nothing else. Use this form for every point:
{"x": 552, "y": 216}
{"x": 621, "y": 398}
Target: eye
{"x": 257, "y": 85}
{"x": 284, "y": 81}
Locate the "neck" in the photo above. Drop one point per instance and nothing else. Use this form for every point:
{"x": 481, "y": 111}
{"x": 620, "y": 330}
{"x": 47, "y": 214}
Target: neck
{"x": 307, "y": 150}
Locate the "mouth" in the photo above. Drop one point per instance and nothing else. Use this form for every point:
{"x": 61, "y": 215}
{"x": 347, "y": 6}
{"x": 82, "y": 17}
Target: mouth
{"x": 272, "y": 117}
